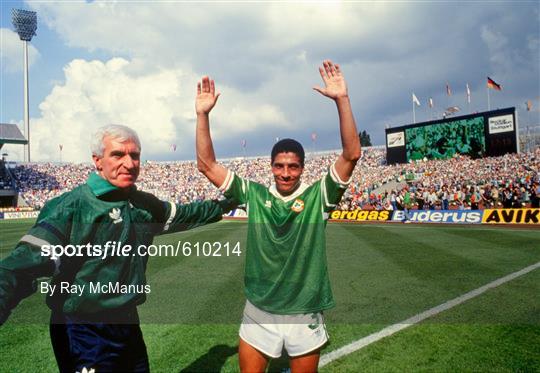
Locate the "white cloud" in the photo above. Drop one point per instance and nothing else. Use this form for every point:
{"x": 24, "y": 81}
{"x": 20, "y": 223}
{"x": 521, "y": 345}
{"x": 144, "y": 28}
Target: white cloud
{"x": 97, "y": 93}
{"x": 11, "y": 55}
{"x": 241, "y": 120}
{"x": 159, "y": 105}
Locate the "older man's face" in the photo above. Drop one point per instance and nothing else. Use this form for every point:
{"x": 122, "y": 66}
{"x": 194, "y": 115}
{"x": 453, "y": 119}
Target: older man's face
{"x": 120, "y": 163}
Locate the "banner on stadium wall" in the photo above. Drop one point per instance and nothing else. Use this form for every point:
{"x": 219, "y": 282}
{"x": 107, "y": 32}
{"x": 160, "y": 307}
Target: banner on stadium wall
{"x": 20, "y": 215}
{"x": 511, "y": 216}
{"x": 487, "y": 216}
{"x": 441, "y": 216}
{"x": 361, "y": 215}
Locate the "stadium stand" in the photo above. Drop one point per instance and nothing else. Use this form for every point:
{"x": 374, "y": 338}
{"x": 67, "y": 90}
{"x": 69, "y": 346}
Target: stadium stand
{"x": 457, "y": 183}
{"x": 9, "y": 134}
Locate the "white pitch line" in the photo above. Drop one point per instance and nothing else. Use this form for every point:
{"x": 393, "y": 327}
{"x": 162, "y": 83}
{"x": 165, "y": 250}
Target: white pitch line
{"x": 363, "y": 342}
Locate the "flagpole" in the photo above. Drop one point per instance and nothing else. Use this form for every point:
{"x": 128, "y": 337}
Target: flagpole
{"x": 489, "y": 104}
{"x": 448, "y": 94}
{"x": 528, "y": 131}
{"x": 468, "y": 97}
{"x": 413, "y": 113}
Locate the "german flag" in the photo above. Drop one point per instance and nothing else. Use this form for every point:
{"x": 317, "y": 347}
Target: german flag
{"x": 491, "y": 84}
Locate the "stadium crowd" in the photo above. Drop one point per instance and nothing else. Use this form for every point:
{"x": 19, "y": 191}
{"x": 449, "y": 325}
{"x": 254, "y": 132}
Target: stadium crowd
{"x": 5, "y": 178}
{"x": 511, "y": 180}
{"x": 460, "y": 182}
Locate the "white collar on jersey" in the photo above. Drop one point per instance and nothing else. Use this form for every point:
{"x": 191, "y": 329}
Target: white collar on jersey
{"x": 273, "y": 190}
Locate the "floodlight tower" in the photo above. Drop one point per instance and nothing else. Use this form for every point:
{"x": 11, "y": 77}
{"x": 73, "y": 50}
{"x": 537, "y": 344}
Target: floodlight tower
{"x": 25, "y": 23}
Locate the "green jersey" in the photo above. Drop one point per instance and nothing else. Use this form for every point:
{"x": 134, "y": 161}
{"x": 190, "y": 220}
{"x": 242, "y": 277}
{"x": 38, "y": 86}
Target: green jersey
{"x": 286, "y": 269}
{"x": 95, "y": 213}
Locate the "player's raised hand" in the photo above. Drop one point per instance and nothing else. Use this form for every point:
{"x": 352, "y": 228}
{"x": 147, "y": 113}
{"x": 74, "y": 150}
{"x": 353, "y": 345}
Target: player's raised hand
{"x": 206, "y": 96}
{"x": 334, "y": 82}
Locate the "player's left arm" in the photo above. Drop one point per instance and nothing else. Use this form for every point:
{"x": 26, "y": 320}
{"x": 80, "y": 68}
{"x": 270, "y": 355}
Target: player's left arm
{"x": 336, "y": 89}
{"x": 169, "y": 217}
{"x": 195, "y": 214}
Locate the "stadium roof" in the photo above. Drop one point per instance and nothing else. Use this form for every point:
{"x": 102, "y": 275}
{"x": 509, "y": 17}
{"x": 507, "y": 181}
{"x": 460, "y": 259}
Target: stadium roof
{"x": 10, "y": 134}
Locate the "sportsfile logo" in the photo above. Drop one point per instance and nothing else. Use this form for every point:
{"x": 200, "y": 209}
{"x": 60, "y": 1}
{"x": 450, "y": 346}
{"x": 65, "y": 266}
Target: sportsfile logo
{"x": 442, "y": 216}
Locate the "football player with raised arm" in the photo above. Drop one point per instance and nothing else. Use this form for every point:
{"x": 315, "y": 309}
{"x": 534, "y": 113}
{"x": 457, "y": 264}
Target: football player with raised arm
{"x": 286, "y": 278}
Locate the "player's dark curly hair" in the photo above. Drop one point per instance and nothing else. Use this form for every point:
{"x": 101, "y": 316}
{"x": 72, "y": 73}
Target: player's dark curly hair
{"x": 288, "y": 146}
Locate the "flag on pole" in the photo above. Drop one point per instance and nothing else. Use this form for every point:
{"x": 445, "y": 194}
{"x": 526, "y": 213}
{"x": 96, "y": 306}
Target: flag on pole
{"x": 491, "y": 84}
{"x": 529, "y": 105}
{"x": 430, "y": 102}
{"x": 61, "y": 147}
{"x": 244, "y": 143}
{"x": 415, "y": 100}
{"x": 468, "y": 94}
{"x": 448, "y": 90}
{"x": 173, "y": 147}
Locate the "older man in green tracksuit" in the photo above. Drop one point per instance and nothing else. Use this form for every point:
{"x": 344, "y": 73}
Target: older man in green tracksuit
{"x": 97, "y": 325}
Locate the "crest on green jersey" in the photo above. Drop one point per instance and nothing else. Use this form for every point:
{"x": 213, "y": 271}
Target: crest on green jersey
{"x": 298, "y": 205}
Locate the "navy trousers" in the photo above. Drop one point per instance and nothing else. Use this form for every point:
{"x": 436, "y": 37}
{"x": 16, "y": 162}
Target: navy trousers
{"x": 80, "y": 343}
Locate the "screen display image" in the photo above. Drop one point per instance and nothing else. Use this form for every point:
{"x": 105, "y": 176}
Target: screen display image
{"x": 444, "y": 140}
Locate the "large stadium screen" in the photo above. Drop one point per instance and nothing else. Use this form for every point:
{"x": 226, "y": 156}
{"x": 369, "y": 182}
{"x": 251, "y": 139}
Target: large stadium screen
{"x": 444, "y": 140}
{"x": 487, "y": 134}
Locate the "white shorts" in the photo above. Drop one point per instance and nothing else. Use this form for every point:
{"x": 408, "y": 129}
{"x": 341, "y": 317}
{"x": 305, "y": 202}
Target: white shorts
{"x": 269, "y": 333}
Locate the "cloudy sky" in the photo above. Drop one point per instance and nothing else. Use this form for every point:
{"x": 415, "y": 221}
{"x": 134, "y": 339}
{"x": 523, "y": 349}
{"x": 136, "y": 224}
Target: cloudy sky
{"x": 137, "y": 63}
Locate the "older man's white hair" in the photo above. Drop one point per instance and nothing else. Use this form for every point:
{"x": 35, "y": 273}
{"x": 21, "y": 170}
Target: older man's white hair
{"x": 117, "y": 132}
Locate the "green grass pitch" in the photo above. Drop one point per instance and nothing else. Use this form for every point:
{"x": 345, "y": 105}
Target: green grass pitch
{"x": 381, "y": 275}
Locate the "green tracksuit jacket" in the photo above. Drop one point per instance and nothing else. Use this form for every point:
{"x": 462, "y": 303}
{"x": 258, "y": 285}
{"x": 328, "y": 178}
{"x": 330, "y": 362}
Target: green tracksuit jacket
{"x": 95, "y": 213}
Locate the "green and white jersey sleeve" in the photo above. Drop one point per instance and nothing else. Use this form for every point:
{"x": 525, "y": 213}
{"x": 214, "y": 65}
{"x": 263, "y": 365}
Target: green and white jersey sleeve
{"x": 192, "y": 215}
{"x": 286, "y": 268}
{"x": 333, "y": 188}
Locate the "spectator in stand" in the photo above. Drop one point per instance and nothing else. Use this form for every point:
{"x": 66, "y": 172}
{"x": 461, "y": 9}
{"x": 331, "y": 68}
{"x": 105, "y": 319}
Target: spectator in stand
{"x": 507, "y": 198}
{"x": 444, "y": 197}
{"x": 475, "y": 198}
{"x": 535, "y": 195}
